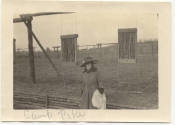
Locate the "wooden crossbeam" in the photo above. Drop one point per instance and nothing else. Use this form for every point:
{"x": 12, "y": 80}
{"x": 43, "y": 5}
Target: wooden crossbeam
{"x": 44, "y": 13}
{"x": 24, "y": 16}
{"x": 18, "y": 20}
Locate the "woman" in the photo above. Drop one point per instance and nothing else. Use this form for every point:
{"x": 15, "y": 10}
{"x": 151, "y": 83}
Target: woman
{"x": 90, "y": 82}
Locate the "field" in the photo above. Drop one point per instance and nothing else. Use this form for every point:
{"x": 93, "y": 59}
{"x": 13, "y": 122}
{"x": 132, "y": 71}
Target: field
{"x": 126, "y": 85}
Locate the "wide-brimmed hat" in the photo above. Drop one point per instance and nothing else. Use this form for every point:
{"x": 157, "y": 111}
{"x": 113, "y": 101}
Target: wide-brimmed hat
{"x": 88, "y": 60}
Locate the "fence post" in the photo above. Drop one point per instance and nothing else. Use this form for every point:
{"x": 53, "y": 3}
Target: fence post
{"x": 152, "y": 49}
{"x": 14, "y": 50}
{"x": 117, "y": 62}
{"x": 46, "y": 100}
{"x": 75, "y": 46}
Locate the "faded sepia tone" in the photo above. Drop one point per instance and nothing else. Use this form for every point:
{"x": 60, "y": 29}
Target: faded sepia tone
{"x": 126, "y": 44}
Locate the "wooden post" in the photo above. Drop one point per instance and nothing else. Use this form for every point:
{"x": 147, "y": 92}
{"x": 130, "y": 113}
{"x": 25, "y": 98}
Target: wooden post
{"x": 75, "y": 45}
{"x": 136, "y": 46}
{"x": 152, "y": 48}
{"x": 46, "y": 100}
{"x": 117, "y": 65}
{"x": 58, "y": 51}
{"x": 30, "y": 47}
{"x": 129, "y": 48}
{"x": 14, "y": 50}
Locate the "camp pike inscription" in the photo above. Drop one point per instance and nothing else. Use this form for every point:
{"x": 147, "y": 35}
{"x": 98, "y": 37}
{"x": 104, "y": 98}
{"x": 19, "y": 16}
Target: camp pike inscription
{"x": 54, "y": 115}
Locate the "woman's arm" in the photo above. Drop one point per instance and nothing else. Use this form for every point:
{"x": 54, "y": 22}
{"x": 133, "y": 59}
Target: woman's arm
{"x": 99, "y": 80}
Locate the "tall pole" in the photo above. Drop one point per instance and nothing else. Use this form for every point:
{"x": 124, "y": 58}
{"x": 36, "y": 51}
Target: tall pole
{"x": 30, "y": 47}
{"x": 75, "y": 45}
{"x": 152, "y": 48}
{"x": 14, "y": 50}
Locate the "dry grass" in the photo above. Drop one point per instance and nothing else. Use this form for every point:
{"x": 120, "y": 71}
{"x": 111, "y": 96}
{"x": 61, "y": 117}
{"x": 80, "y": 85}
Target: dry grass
{"x": 134, "y": 85}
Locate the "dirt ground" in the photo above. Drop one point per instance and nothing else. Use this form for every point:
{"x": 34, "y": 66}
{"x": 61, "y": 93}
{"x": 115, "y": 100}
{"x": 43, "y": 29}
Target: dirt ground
{"x": 130, "y": 85}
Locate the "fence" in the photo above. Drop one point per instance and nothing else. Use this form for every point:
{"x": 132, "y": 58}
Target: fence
{"x": 147, "y": 48}
{"x": 109, "y": 52}
{"x": 98, "y": 50}
{"x": 29, "y": 101}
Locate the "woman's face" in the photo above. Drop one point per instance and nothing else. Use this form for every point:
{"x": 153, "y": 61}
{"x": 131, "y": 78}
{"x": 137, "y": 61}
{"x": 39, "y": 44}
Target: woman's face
{"x": 88, "y": 66}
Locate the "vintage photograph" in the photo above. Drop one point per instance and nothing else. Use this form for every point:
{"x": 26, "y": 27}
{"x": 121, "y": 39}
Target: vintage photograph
{"x": 85, "y": 60}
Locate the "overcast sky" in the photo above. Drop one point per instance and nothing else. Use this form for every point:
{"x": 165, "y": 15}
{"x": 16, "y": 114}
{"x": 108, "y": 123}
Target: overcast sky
{"x": 92, "y": 26}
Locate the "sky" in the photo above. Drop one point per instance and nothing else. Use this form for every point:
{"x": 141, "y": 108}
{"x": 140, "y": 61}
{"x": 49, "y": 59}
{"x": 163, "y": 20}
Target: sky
{"x": 92, "y": 27}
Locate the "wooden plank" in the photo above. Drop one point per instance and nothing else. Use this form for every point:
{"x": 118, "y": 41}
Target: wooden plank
{"x": 129, "y": 46}
{"x": 123, "y": 45}
{"x": 44, "y": 13}
{"x": 45, "y": 53}
{"x": 128, "y": 30}
{"x": 69, "y": 36}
